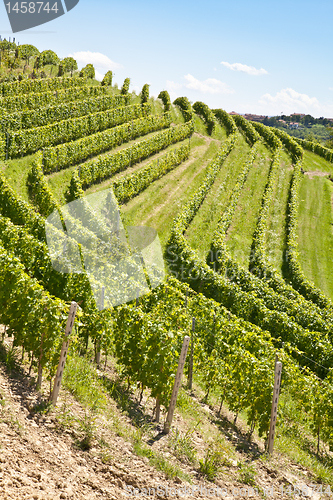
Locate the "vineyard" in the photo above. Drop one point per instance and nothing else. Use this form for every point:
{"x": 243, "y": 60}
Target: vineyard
{"x": 244, "y": 217}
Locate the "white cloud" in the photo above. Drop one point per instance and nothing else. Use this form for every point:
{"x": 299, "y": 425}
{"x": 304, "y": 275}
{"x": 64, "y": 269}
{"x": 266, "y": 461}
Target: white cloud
{"x": 250, "y": 70}
{"x": 101, "y": 62}
{"x": 209, "y": 86}
{"x": 331, "y": 88}
{"x": 289, "y": 101}
{"x": 136, "y": 89}
{"x": 172, "y": 86}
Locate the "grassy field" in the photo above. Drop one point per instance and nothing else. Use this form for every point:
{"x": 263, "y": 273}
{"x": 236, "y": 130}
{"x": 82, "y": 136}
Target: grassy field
{"x": 158, "y": 205}
{"x": 59, "y": 181}
{"x": 315, "y": 231}
{"x": 201, "y": 230}
{"x": 16, "y": 172}
{"x": 315, "y": 220}
{"x": 240, "y": 233}
{"x": 312, "y": 163}
{"x": 276, "y": 233}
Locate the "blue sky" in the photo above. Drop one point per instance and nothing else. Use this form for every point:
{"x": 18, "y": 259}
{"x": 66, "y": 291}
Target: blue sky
{"x": 264, "y": 57}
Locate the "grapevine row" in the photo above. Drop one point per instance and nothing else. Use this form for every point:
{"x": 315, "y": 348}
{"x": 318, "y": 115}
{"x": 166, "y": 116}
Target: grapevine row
{"x": 316, "y": 148}
{"x": 49, "y": 98}
{"x": 225, "y": 120}
{"x": 107, "y": 165}
{"x": 29, "y": 141}
{"x": 267, "y": 273}
{"x": 184, "y": 262}
{"x": 34, "y": 318}
{"x": 220, "y": 260}
{"x": 251, "y": 135}
{"x": 208, "y": 116}
{"x": 131, "y": 185}
{"x": 218, "y": 241}
{"x": 231, "y": 356}
{"x": 71, "y": 153}
{"x": 308, "y": 314}
{"x": 42, "y": 85}
{"x": 296, "y": 275}
{"x": 185, "y": 107}
{"x": 50, "y": 114}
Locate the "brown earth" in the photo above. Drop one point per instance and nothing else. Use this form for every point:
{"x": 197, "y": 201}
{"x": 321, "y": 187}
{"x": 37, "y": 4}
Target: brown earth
{"x": 41, "y": 460}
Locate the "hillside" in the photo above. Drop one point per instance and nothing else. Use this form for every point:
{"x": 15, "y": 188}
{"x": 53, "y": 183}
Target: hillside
{"x": 243, "y": 214}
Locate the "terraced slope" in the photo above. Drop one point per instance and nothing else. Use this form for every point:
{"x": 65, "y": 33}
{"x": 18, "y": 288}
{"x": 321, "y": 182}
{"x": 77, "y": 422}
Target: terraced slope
{"x": 228, "y": 203}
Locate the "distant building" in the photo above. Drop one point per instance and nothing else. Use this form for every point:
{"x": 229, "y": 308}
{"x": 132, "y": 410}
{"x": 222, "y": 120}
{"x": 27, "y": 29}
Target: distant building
{"x": 298, "y": 114}
{"x": 293, "y": 125}
{"x": 255, "y": 118}
{"x": 234, "y": 113}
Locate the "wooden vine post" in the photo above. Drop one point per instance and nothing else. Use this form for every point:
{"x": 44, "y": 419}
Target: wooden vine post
{"x": 190, "y": 371}
{"x": 40, "y": 368}
{"x": 158, "y": 410}
{"x": 177, "y": 385}
{"x": 98, "y": 342}
{"x": 63, "y": 355}
{"x": 276, "y": 392}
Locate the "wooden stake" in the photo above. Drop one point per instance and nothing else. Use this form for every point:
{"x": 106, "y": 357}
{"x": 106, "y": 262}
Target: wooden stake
{"x": 4, "y": 333}
{"x": 40, "y": 368}
{"x": 32, "y": 360}
{"x": 276, "y": 392}
{"x": 190, "y": 372}
{"x": 62, "y": 361}
{"x": 98, "y": 342}
{"x": 158, "y": 410}
{"x": 177, "y": 385}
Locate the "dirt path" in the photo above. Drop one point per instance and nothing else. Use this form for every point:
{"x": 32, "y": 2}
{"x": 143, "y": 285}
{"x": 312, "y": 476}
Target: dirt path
{"x": 40, "y": 461}
{"x": 316, "y": 173}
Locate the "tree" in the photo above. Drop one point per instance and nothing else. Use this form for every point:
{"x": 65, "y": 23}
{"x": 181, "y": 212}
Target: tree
{"x": 26, "y": 51}
{"x": 307, "y": 120}
{"x": 145, "y": 93}
{"x": 48, "y": 57}
{"x": 88, "y": 71}
{"x": 68, "y": 64}
{"x": 125, "y": 87}
{"x": 107, "y": 80}
{"x": 6, "y": 46}
{"x": 329, "y": 143}
{"x": 164, "y": 95}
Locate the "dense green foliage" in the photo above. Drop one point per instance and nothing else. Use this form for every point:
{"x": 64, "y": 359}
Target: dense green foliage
{"x": 29, "y": 141}
{"x": 185, "y": 107}
{"x": 203, "y": 110}
{"x": 125, "y": 88}
{"x": 88, "y": 72}
{"x": 74, "y": 152}
{"x": 107, "y": 165}
{"x": 43, "y": 85}
{"x": 243, "y": 317}
{"x": 107, "y": 80}
{"x": 73, "y": 109}
{"x": 165, "y": 97}
{"x": 145, "y": 94}
{"x": 41, "y": 100}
